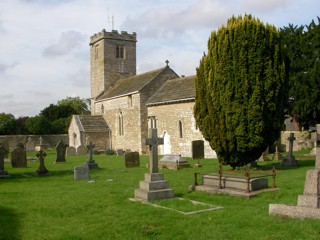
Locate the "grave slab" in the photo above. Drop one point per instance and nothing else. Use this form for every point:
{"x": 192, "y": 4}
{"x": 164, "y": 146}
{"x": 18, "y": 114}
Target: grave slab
{"x": 173, "y": 162}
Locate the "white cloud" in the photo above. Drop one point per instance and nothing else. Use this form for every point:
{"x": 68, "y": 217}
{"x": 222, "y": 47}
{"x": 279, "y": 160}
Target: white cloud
{"x": 265, "y": 6}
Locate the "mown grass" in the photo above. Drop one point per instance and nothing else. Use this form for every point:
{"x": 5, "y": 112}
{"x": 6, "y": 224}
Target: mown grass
{"x": 57, "y": 207}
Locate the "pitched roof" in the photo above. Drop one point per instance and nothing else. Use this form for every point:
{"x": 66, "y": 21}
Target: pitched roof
{"x": 175, "y": 90}
{"x": 93, "y": 123}
{"x": 130, "y": 85}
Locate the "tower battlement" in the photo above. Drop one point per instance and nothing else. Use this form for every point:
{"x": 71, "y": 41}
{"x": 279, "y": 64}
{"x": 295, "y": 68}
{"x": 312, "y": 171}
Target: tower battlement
{"x": 114, "y": 34}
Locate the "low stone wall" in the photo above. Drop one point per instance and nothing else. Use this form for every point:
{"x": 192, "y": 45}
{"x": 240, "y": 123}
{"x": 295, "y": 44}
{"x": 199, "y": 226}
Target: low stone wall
{"x": 303, "y": 141}
{"x": 33, "y": 140}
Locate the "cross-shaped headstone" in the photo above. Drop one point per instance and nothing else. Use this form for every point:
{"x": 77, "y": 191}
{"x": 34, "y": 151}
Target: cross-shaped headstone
{"x": 153, "y": 141}
{"x": 291, "y": 138}
{"x": 42, "y": 169}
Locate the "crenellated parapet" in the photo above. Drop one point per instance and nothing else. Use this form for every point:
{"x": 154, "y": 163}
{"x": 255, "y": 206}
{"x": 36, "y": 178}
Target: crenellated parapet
{"x": 114, "y": 34}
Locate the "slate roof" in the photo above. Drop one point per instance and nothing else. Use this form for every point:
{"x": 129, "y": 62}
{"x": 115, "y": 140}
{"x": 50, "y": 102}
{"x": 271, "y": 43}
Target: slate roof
{"x": 175, "y": 90}
{"x": 93, "y": 123}
{"x": 130, "y": 85}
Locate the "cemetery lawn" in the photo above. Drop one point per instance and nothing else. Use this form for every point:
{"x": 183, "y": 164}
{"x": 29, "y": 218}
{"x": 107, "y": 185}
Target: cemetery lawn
{"x": 57, "y": 207}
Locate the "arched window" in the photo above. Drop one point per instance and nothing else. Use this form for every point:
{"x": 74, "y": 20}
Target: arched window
{"x": 120, "y": 52}
{"x": 180, "y": 129}
{"x": 102, "y": 109}
{"x": 120, "y": 120}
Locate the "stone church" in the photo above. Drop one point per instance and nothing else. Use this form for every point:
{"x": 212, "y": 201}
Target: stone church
{"x": 125, "y": 105}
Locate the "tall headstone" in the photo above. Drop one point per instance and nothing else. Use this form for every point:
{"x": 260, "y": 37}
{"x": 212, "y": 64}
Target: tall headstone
{"x": 61, "y": 152}
{"x": 91, "y": 163}
{"x": 290, "y": 159}
{"x": 19, "y": 157}
{"x": 309, "y": 203}
{"x": 132, "y": 159}
{"x": 5, "y": 144}
{"x": 3, "y": 153}
{"x": 198, "y": 149}
{"x": 153, "y": 186}
{"x": 42, "y": 170}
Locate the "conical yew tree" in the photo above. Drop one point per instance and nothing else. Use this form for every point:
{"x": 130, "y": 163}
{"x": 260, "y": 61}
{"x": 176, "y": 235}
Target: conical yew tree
{"x": 241, "y": 90}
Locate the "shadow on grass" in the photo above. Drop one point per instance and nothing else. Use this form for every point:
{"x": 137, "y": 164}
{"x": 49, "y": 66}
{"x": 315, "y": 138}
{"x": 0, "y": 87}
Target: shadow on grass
{"x": 9, "y": 223}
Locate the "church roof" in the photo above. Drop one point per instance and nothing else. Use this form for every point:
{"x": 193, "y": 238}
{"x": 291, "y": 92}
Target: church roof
{"x": 130, "y": 85}
{"x": 175, "y": 90}
{"x": 92, "y": 123}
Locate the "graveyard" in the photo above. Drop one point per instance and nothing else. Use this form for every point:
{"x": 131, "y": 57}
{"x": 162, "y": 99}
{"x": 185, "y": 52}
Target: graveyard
{"x": 55, "y": 206}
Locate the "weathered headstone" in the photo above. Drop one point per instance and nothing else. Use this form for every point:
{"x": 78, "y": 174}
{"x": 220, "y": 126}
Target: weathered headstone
{"x": 42, "y": 170}
{"x": 198, "y": 149}
{"x": 153, "y": 186}
{"x": 19, "y": 157}
{"x": 81, "y": 150}
{"x": 82, "y": 172}
{"x": 61, "y": 152}
{"x": 132, "y": 159}
{"x": 42, "y": 145}
{"x": 30, "y": 145}
{"x": 174, "y": 162}
{"x": 3, "y": 153}
{"x": 5, "y": 144}
{"x": 91, "y": 163}
{"x": 71, "y": 151}
{"x": 290, "y": 159}
{"x": 120, "y": 152}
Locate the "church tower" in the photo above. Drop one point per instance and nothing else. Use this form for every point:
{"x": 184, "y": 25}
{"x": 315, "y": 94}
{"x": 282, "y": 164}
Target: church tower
{"x": 112, "y": 57}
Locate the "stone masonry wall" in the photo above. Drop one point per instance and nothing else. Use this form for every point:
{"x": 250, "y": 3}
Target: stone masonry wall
{"x": 168, "y": 117}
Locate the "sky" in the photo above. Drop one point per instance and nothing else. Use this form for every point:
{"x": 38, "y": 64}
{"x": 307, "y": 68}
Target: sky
{"x": 44, "y": 44}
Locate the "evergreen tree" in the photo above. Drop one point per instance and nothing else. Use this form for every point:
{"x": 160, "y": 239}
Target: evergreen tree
{"x": 241, "y": 90}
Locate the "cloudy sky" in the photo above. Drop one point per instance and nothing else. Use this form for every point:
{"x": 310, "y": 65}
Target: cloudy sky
{"x": 44, "y": 44}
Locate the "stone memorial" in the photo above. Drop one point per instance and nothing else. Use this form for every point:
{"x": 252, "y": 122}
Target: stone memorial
{"x": 198, "y": 149}
{"x": 132, "y": 159}
{"x": 290, "y": 159}
{"x": 61, "y": 152}
{"x": 19, "y": 157}
{"x": 120, "y": 152}
{"x": 71, "y": 151}
{"x": 42, "y": 170}
{"x": 153, "y": 186}
{"x": 3, "y": 153}
{"x": 82, "y": 172}
{"x": 81, "y": 150}
{"x": 308, "y": 205}
{"x": 30, "y": 145}
{"x": 173, "y": 162}
{"x": 41, "y": 145}
{"x": 91, "y": 163}
{"x": 5, "y": 144}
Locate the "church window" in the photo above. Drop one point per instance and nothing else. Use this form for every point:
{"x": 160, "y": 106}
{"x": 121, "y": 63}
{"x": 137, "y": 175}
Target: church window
{"x": 120, "y": 53}
{"x": 153, "y": 122}
{"x": 102, "y": 109}
{"x": 130, "y": 101}
{"x": 120, "y": 119}
{"x": 180, "y": 129}
{"x": 96, "y": 52}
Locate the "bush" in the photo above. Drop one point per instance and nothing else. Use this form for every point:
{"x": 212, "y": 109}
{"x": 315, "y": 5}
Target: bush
{"x": 109, "y": 152}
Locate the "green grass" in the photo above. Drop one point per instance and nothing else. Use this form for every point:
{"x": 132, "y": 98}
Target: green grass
{"x": 57, "y": 207}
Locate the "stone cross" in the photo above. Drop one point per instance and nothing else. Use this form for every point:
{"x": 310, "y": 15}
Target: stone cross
{"x": 291, "y": 138}
{"x": 40, "y": 139}
{"x": 91, "y": 163}
{"x": 153, "y": 141}
{"x": 42, "y": 169}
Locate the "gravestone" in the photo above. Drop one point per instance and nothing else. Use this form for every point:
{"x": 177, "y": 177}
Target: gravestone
{"x": 41, "y": 145}
{"x": 91, "y": 163}
{"x": 71, "y": 151}
{"x": 120, "y": 152}
{"x": 30, "y": 145}
{"x": 132, "y": 159}
{"x": 174, "y": 162}
{"x": 153, "y": 186}
{"x": 81, "y": 150}
{"x": 198, "y": 149}
{"x": 82, "y": 172}
{"x": 5, "y": 144}
{"x": 3, "y": 153}
{"x": 290, "y": 159}
{"x": 42, "y": 170}
{"x": 61, "y": 152}
{"x": 308, "y": 205}
{"x": 19, "y": 157}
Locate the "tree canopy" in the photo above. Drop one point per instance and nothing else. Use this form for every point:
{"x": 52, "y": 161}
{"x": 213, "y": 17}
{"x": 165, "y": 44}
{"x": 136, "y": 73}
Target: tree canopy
{"x": 241, "y": 90}
{"x": 303, "y": 44}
